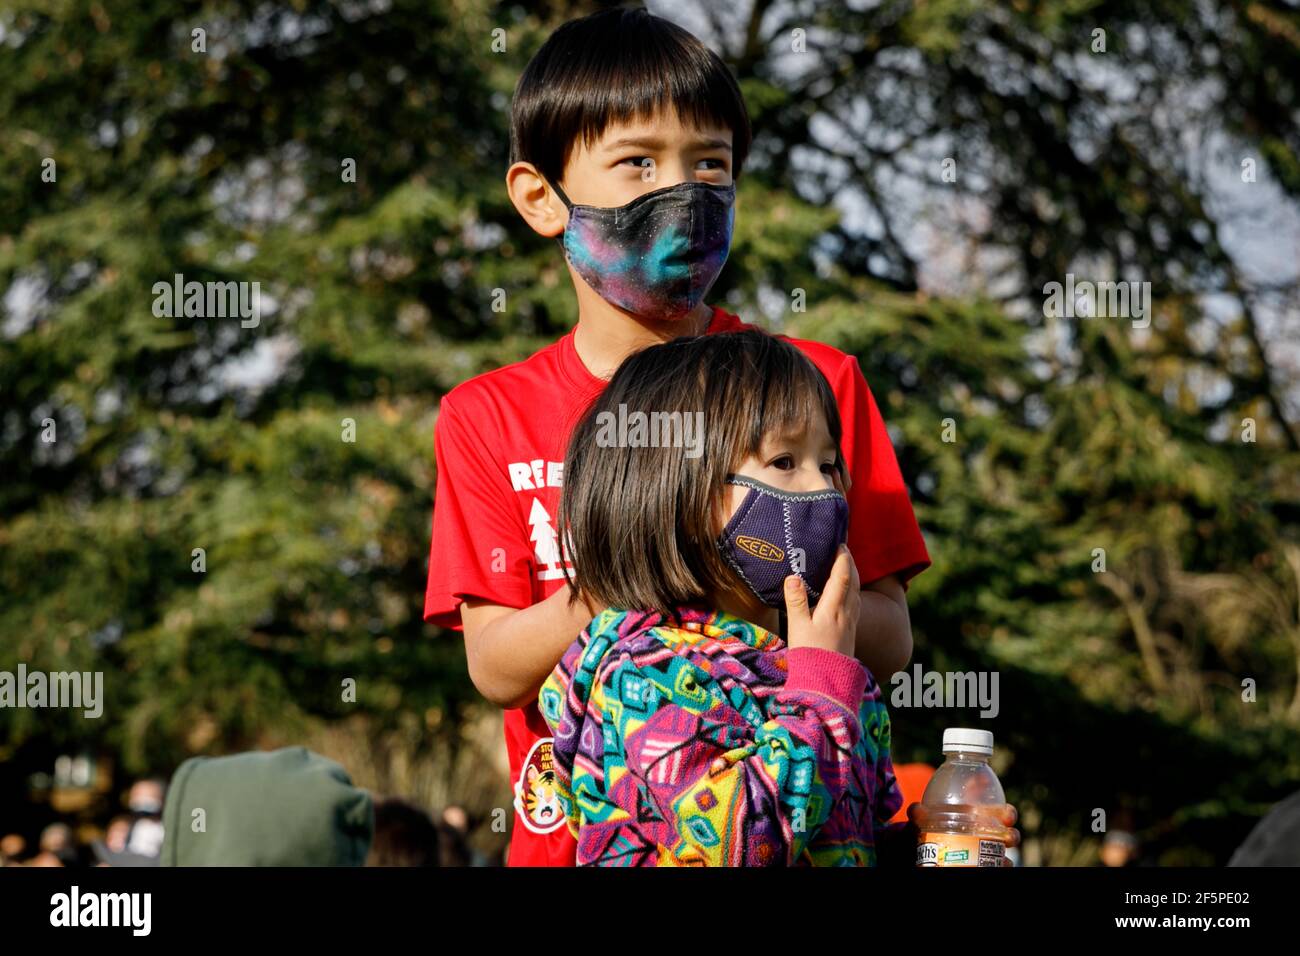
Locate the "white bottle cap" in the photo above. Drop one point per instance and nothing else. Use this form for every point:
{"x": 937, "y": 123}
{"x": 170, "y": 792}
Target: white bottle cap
{"x": 967, "y": 740}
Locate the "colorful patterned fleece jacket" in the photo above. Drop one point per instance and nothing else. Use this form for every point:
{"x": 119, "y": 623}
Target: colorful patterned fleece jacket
{"x": 706, "y": 742}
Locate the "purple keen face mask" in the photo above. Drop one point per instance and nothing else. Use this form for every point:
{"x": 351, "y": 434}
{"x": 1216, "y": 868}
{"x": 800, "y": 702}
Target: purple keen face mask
{"x": 657, "y": 256}
{"x": 777, "y": 533}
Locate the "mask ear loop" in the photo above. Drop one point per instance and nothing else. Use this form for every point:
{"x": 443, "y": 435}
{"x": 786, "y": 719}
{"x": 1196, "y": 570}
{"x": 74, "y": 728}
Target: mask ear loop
{"x": 563, "y": 198}
{"x": 559, "y": 240}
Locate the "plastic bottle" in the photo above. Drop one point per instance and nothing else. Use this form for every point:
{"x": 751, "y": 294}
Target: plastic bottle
{"x": 959, "y": 818}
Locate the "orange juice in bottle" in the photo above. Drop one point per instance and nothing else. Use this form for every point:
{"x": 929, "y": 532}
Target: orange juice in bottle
{"x": 959, "y": 817}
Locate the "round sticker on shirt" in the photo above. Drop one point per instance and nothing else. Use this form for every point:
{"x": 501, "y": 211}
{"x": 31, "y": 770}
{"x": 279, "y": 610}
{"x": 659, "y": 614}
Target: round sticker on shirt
{"x": 536, "y": 799}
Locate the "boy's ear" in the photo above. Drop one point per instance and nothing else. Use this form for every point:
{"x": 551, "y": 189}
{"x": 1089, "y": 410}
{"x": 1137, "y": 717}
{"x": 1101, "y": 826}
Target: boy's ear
{"x": 534, "y": 199}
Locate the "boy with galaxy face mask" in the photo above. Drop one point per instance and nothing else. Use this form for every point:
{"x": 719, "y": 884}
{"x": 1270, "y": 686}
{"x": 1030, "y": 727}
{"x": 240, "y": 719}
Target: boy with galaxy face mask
{"x": 628, "y": 135}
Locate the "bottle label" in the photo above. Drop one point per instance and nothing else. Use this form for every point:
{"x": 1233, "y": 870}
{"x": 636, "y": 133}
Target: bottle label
{"x": 957, "y": 849}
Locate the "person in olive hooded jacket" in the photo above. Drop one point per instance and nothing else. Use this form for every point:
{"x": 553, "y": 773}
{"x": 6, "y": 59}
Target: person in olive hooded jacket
{"x": 288, "y": 807}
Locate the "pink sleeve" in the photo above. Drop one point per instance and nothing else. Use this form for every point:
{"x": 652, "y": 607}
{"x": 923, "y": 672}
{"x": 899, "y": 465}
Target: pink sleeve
{"x": 835, "y": 676}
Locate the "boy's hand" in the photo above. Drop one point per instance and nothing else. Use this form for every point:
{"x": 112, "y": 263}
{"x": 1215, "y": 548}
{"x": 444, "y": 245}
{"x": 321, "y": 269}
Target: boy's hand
{"x": 511, "y": 651}
{"x": 833, "y": 624}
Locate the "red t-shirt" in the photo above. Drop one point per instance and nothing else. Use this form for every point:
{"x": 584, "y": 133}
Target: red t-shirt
{"x": 500, "y": 442}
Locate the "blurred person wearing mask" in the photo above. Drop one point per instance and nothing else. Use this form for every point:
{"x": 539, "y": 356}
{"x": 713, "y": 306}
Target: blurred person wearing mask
{"x": 145, "y": 805}
{"x": 139, "y": 843}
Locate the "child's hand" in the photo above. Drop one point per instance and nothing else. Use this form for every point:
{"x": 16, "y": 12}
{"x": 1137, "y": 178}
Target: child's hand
{"x": 833, "y": 624}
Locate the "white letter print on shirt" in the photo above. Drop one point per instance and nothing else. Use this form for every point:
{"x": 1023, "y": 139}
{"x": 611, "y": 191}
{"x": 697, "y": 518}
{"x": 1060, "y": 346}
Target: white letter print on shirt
{"x": 546, "y": 546}
{"x": 534, "y": 475}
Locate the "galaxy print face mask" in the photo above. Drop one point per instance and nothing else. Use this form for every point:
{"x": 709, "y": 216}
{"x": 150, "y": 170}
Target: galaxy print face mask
{"x": 658, "y": 256}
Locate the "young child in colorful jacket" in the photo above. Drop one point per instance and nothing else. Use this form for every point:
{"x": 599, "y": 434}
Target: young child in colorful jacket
{"x": 703, "y": 494}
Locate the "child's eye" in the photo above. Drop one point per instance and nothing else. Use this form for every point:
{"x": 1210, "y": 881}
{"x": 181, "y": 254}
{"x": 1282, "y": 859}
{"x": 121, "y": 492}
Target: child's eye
{"x": 785, "y": 462}
{"x": 717, "y": 163}
{"x": 641, "y": 161}
{"x": 829, "y": 468}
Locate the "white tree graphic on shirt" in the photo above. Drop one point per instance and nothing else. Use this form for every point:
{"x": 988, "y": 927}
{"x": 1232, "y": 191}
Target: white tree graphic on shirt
{"x": 545, "y": 542}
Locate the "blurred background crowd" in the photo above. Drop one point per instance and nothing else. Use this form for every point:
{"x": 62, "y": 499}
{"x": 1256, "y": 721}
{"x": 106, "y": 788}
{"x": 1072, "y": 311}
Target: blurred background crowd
{"x": 402, "y": 834}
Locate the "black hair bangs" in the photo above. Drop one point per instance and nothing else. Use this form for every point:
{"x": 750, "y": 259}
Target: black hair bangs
{"x": 794, "y": 394}
{"x": 620, "y": 66}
